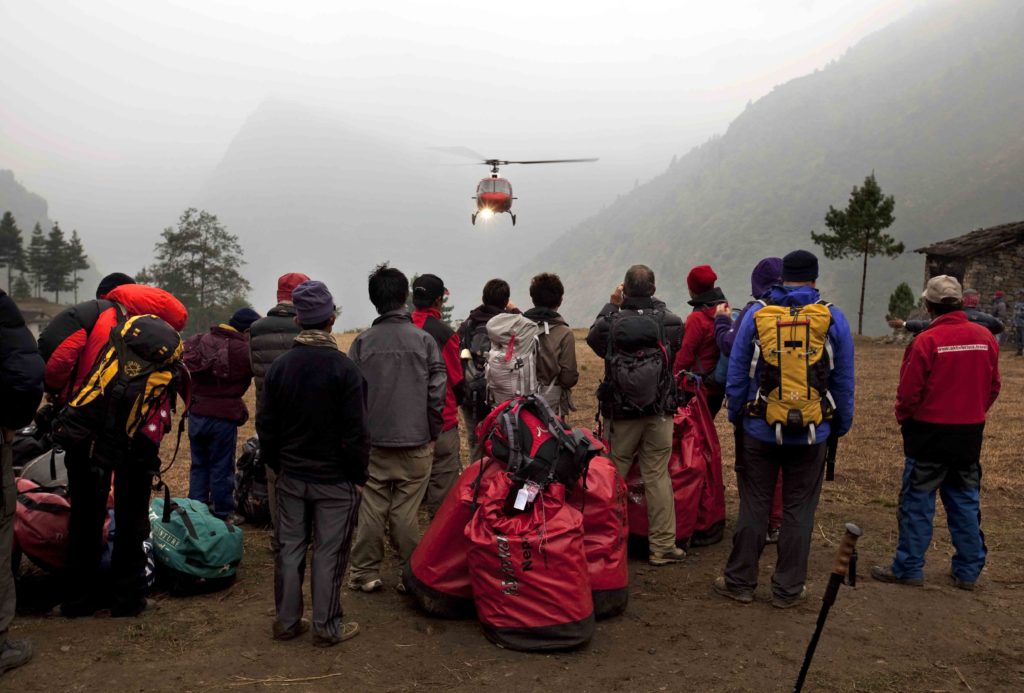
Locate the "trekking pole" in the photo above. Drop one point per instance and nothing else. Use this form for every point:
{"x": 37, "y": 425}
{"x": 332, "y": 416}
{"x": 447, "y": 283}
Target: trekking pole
{"x": 847, "y": 551}
{"x": 831, "y": 448}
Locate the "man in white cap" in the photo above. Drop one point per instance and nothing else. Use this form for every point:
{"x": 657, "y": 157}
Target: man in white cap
{"x": 948, "y": 381}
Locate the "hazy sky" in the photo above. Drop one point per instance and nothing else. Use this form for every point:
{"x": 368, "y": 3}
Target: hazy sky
{"x": 124, "y": 107}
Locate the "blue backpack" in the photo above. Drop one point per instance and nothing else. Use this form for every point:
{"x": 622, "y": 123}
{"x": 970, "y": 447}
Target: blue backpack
{"x": 196, "y": 552}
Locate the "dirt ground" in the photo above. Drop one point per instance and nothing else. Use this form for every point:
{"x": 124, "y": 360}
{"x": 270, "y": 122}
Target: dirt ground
{"x": 676, "y": 634}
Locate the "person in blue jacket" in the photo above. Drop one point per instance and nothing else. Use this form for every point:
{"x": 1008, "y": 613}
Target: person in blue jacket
{"x": 802, "y": 462}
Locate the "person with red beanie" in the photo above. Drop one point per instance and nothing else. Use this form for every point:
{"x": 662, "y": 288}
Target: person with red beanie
{"x": 269, "y": 338}
{"x": 699, "y": 353}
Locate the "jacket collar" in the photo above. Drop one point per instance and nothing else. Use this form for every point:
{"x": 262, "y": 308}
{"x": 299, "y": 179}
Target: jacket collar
{"x": 226, "y": 331}
{"x": 430, "y": 312}
{"x": 541, "y": 314}
{"x": 793, "y": 295}
{"x": 400, "y": 315}
{"x": 630, "y": 303}
{"x": 282, "y": 310}
{"x": 957, "y": 317}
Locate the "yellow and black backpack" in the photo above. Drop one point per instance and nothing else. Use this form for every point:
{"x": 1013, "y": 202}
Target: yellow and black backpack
{"x": 131, "y": 377}
{"x": 792, "y": 345}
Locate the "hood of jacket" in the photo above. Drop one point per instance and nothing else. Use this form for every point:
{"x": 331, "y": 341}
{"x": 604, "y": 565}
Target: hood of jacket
{"x": 793, "y": 295}
{"x": 539, "y": 314}
{"x": 483, "y": 313}
{"x": 140, "y": 299}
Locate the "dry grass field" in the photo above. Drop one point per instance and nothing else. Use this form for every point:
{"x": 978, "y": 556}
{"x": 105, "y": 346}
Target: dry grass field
{"x": 675, "y": 636}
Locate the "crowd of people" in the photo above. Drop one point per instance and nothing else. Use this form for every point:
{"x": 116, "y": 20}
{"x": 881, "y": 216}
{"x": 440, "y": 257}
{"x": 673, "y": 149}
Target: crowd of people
{"x": 356, "y": 443}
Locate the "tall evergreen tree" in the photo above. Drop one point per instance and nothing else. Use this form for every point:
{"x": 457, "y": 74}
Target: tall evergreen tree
{"x": 12, "y": 249}
{"x": 77, "y": 261}
{"x": 901, "y": 302}
{"x": 857, "y": 231}
{"x": 200, "y": 262}
{"x": 58, "y": 265}
{"x": 37, "y": 259}
{"x": 22, "y": 289}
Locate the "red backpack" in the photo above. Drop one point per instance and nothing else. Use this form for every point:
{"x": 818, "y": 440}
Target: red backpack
{"x": 42, "y": 517}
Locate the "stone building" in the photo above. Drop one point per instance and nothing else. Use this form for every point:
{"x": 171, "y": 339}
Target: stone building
{"x": 988, "y": 260}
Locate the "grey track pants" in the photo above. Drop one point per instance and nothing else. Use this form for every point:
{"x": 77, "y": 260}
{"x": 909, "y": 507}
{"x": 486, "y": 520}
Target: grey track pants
{"x": 324, "y": 514}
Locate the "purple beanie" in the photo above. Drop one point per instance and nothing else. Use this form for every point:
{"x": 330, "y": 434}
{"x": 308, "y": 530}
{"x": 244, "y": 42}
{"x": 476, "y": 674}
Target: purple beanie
{"x": 766, "y": 274}
{"x": 313, "y": 303}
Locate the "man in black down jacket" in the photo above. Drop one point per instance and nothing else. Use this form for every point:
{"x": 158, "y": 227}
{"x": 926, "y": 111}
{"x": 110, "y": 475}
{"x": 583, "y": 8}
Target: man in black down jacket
{"x": 270, "y": 337}
{"x": 311, "y": 421}
{"x": 21, "y": 389}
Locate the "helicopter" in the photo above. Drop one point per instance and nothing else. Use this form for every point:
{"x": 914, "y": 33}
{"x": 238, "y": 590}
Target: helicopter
{"x": 494, "y": 194}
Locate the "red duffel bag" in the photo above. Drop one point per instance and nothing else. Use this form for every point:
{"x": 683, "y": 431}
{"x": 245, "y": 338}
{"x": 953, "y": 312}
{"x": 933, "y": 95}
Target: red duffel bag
{"x": 529, "y": 572}
{"x": 42, "y": 517}
{"x": 605, "y": 530}
{"x": 437, "y": 575}
{"x": 695, "y": 468}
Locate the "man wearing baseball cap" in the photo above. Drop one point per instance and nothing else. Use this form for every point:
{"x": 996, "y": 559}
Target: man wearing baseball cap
{"x": 948, "y": 381}
{"x": 428, "y": 295}
{"x": 311, "y": 420}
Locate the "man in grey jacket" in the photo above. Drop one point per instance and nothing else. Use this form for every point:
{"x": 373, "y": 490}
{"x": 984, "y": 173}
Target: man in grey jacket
{"x": 270, "y": 337}
{"x": 406, "y": 380}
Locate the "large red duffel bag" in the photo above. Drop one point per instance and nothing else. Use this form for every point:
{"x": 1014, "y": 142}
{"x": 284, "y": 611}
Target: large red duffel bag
{"x": 529, "y": 572}
{"x": 437, "y": 576}
{"x": 606, "y": 532}
{"x": 42, "y": 517}
{"x": 695, "y": 468}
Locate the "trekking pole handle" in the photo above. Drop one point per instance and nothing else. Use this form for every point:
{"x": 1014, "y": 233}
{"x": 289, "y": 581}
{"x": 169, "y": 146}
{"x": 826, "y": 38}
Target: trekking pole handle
{"x": 847, "y": 547}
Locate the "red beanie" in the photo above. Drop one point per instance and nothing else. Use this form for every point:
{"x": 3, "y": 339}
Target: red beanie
{"x": 700, "y": 279}
{"x": 287, "y": 283}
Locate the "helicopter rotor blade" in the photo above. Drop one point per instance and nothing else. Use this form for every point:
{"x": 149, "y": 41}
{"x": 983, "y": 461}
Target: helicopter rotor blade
{"x": 549, "y": 161}
{"x": 462, "y": 151}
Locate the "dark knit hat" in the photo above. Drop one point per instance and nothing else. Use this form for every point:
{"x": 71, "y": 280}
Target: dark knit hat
{"x": 766, "y": 274}
{"x": 701, "y": 279}
{"x": 429, "y": 287}
{"x": 243, "y": 319}
{"x": 286, "y": 283}
{"x": 111, "y": 282}
{"x": 800, "y": 266}
{"x": 313, "y": 302}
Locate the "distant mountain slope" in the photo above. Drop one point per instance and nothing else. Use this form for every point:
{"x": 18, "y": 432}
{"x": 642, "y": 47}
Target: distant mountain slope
{"x": 27, "y": 207}
{"x": 933, "y": 104}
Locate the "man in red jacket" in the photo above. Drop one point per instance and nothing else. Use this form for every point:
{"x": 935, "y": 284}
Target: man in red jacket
{"x": 699, "y": 352}
{"x": 218, "y": 362}
{"x": 948, "y": 381}
{"x": 428, "y": 292}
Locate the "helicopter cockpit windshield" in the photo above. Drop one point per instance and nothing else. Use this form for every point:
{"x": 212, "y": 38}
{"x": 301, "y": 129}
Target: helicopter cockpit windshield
{"x": 494, "y": 185}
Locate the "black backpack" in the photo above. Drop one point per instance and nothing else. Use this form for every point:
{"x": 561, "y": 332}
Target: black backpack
{"x": 251, "y": 498}
{"x": 474, "y": 370}
{"x": 638, "y": 375}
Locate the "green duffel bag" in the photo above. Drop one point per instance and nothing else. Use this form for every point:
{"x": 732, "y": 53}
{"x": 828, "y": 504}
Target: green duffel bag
{"x": 196, "y": 552}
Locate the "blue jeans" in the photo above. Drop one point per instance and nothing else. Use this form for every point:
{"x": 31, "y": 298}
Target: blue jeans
{"x": 963, "y": 515}
{"x": 212, "y": 478}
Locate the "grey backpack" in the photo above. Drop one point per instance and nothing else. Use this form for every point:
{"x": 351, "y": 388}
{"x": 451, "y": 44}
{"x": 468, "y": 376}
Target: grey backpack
{"x": 511, "y": 369}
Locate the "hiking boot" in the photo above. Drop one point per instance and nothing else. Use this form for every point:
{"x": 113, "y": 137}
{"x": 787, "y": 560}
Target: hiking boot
{"x": 658, "y": 558}
{"x": 14, "y": 653}
{"x": 780, "y": 602}
{"x": 885, "y": 574}
{"x": 134, "y": 610}
{"x": 400, "y": 587}
{"x": 959, "y": 583}
{"x": 739, "y": 594}
{"x": 374, "y": 585}
{"x": 772, "y": 536}
{"x": 348, "y": 631}
{"x": 282, "y": 633}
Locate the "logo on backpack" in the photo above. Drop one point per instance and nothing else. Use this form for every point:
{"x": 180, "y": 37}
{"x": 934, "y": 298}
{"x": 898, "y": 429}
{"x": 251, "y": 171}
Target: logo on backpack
{"x": 638, "y": 375}
{"x": 511, "y": 369}
{"x": 129, "y": 383}
{"x": 795, "y": 355}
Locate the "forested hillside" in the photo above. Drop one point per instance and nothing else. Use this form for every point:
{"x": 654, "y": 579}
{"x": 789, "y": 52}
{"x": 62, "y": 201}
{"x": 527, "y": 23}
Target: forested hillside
{"x": 932, "y": 104}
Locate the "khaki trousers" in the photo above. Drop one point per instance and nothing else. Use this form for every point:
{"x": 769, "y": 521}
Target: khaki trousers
{"x": 445, "y": 470}
{"x": 391, "y": 501}
{"x": 648, "y": 442}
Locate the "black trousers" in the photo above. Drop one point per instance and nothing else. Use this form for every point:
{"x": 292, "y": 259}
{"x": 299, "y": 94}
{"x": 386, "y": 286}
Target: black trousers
{"x": 757, "y": 470}
{"x": 89, "y": 488}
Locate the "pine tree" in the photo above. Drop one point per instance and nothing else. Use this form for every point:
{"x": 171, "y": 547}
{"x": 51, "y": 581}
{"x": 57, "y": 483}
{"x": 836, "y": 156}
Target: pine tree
{"x": 37, "y": 259}
{"x": 77, "y": 261}
{"x": 12, "y": 249}
{"x": 857, "y": 231}
{"x": 22, "y": 289}
{"x": 200, "y": 263}
{"x": 901, "y": 302}
{"x": 58, "y": 264}
{"x": 446, "y": 312}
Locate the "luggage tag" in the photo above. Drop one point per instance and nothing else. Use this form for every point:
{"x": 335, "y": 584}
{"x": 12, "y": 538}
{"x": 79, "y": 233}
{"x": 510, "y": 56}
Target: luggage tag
{"x": 526, "y": 495}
